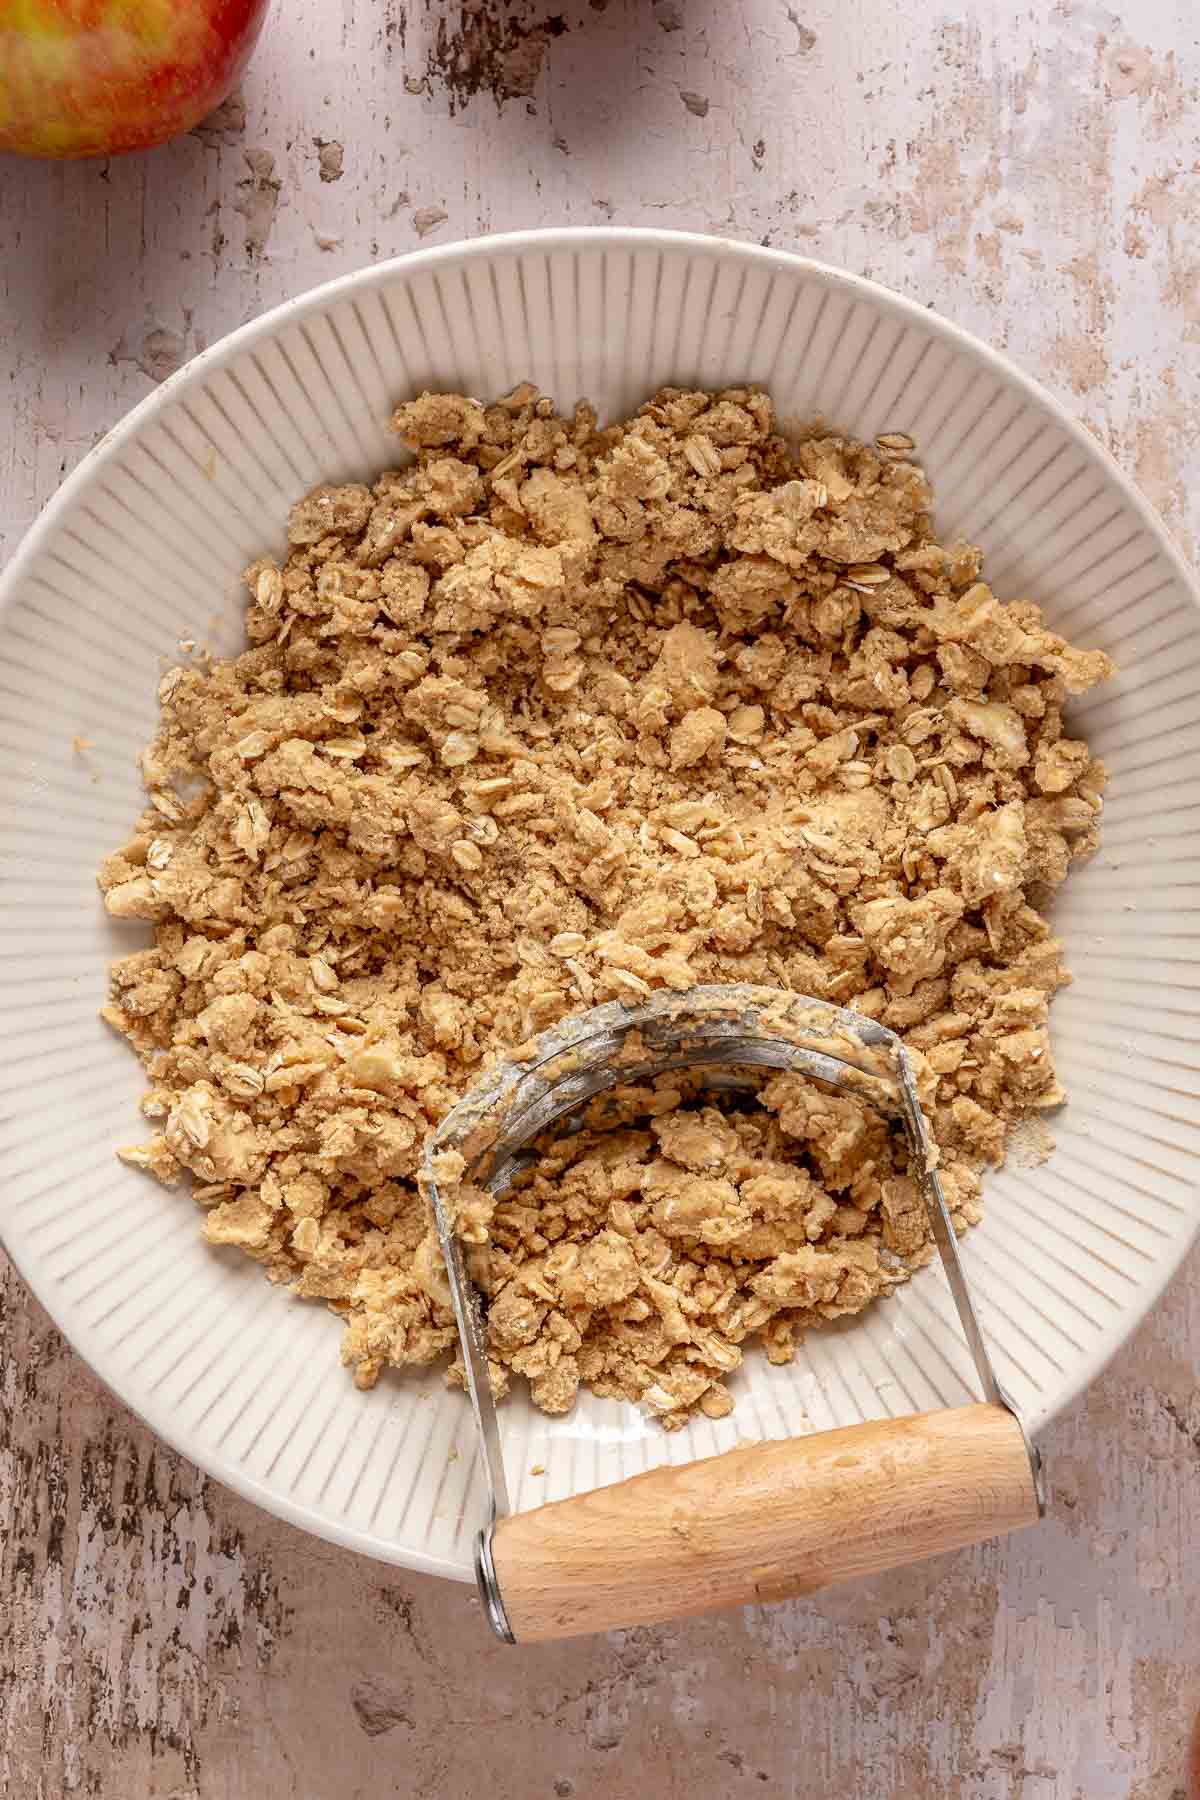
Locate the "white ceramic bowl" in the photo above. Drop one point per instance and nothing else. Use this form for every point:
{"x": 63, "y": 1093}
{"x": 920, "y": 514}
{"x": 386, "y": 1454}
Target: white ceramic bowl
{"x": 143, "y": 546}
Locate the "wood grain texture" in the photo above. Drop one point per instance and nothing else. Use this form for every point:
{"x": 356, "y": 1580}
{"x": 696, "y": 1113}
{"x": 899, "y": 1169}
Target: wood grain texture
{"x": 764, "y": 1522}
{"x": 1031, "y": 172}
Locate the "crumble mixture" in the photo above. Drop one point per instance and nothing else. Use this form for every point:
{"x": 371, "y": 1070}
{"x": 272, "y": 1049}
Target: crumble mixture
{"x": 554, "y": 715}
{"x": 667, "y": 1230}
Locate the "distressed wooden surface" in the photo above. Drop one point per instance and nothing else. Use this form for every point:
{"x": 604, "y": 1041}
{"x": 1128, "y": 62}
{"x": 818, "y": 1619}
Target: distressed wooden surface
{"x": 1032, "y": 171}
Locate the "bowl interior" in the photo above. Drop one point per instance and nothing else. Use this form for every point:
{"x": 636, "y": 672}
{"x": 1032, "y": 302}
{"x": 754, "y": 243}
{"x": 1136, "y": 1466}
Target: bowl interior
{"x": 143, "y": 547}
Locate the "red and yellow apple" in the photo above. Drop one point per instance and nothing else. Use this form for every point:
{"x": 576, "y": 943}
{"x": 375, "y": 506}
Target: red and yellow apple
{"x": 95, "y": 77}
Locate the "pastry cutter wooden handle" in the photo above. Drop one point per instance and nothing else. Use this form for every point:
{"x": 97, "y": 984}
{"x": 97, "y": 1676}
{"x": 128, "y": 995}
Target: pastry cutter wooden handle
{"x": 764, "y": 1521}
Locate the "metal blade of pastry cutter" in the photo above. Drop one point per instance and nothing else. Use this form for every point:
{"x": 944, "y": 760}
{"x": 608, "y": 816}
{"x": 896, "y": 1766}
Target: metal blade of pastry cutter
{"x": 729, "y": 1026}
{"x": 468, "y": 1315}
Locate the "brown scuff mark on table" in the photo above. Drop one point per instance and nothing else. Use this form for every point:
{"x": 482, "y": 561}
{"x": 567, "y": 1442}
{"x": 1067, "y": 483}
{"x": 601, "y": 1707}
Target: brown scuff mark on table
{"x": 1080, "y": 354}
{"x": 489, "y": 50}
{"x": 1131, "y": 69}
{"x": 1160, "y": 1695}
{"x": 948, "y": 189}
{"x": 381, "y": 1703}
{"x": 331, "y": 158}
{"x": 158, "y": 354}
{"x": 258, "y": 199}
{"x": 428, "y": 218}
{"x": 962, "y": 166}
{"x": 806, "y": 37}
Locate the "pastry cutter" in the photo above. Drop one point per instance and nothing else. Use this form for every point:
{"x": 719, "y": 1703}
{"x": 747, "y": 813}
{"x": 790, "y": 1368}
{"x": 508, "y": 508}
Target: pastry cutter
{"x": 763, "y": 1521}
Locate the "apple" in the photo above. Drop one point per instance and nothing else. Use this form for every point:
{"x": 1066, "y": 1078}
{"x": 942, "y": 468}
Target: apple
{"x": 95, "y": 77}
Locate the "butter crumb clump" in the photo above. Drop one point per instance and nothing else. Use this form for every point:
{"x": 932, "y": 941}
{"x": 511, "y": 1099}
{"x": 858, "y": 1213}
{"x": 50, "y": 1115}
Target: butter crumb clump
{"x": 554, "y": 714}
